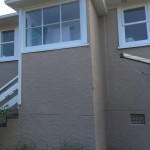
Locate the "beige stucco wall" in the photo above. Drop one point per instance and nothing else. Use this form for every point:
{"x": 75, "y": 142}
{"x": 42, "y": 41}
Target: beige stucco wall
{"x": 56, "y": 99}
{"x": 128, "y": 92}
{"x": 8, "y": 70}
{"x": 99, "y": 76}
{"x": 85, "y": 93}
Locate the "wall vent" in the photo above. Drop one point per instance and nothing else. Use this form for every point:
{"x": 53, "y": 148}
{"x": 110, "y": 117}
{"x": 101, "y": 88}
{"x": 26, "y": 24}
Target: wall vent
{"x": 137, "y": 118}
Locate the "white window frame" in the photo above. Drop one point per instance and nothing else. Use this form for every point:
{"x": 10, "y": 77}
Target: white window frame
{"x": 121, "y": 27}
{"x": 10, "y": 58}
{"x": 60, "y": 45}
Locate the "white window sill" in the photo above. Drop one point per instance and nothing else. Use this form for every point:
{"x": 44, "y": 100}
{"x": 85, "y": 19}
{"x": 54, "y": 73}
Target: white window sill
{"x": 57, "y": 46}
{"x": 133, "y": 46}
{"x": 8, "y": 59}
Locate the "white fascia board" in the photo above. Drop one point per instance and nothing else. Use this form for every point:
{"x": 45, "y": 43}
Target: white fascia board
{"x": 9, "y": 16}
{"x": 11, "y": 1}
{"x": 100, "y": 6}
{"x": 8, "y": 20}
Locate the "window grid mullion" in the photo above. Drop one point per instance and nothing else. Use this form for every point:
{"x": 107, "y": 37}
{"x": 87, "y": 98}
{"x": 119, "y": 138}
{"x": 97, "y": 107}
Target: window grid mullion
{"x": 42, "y": 26}
{"x": 60, "y": 22}
{"x": 148, "y": 19}
{"x": 0, "y": 44}
{"x": 7, "y": 42}
{"x": 33, "y": 27}
{"x": 138, "y": 22}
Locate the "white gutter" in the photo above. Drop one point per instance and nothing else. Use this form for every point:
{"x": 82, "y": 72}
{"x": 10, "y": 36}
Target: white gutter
{"x": 100, "y": 6}
{"x": 9, "y": 16}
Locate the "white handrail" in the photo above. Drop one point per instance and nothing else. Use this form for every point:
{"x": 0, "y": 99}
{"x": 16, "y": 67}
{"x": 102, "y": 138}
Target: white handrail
{"x": 10, "y": 103}
{"x": 9, "y": 92}
{"x": 7, "y": 84}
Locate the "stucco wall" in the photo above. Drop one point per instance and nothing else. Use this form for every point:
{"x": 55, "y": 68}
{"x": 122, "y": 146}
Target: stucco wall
{"x": 128, "y": 92}
{"x": 99, "y": 76}
{"x": 56, "y": 99}
{"x": 8, "y": 70}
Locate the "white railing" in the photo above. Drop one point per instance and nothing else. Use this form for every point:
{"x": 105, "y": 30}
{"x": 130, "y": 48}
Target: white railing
{"x": 10, "y": 103}
{"x": 8, "y": 84}
{"x": 6, "y": 93}
{"x": 9, "y": 92}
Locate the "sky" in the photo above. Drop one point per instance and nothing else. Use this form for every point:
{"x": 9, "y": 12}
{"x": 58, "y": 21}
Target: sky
{"x": 4, "y": 9}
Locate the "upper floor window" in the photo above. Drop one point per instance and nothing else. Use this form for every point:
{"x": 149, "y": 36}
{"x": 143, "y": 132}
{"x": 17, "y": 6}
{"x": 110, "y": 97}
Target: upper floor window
{"x": 7, "y": 45}
{"x": 58, "y": 24}
{"x": 133, "y": 26}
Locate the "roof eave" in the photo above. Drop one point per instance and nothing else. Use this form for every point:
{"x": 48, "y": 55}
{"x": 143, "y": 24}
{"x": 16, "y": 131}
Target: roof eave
{"x": 100, "y": 5}
{"x": 13, "y": 4}
{"x": 9, "y": 20}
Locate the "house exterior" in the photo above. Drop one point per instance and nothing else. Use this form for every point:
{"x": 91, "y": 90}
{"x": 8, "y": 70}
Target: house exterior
{"x": 63, "y": 56}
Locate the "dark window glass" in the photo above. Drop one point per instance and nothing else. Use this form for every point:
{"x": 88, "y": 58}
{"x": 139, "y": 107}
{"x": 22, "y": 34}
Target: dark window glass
{"x": 52, "y": 34}
{"x": 70, "y": 11}
{"x": 33, "y": 18}
{"x": 136, "y": 32}
{"x": 7, "y": 49}
{"x": 7, "y": 36}
{"x": 134, "y": 15}
{"x": 34, "y": 36}
{"x": 71, "y": 31}
{"x": 51, "y": 15}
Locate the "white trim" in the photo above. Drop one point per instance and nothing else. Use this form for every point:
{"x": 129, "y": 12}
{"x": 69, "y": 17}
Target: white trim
{"x": 8, "y": 16}
{"x": 7, "y": 59}
{"x": 59, "y": 45}
{"x": 83, "y": 20}
{"x": 10, "y": 103}
{"x": 9, "y": 92}
{"x": 134, "y": 46}
{"x": 121, "y": 27}
{"x": 10, "y": 58}
{"x": 7, "y": 84}
{"x": 21, "y": 46}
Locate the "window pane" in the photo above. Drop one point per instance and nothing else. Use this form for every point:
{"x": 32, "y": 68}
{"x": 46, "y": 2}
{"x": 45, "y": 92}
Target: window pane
{"x": 7, "y": 49}
{"x": 70, "y": 11}
{"x": 33, "y": 18}
{"x": 34, "y": 36}
{"x": 71, "y": 31}
{"x": 7, "y": 36}
{"x": 52, "y": 34}
{"x": 134, "y": 15}
{"x": 51, "y": 15}
{"x": 136, "y": 32}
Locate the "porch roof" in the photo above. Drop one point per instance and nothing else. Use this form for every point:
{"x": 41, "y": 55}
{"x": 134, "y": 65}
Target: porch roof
{"x": 100, "y": 5}
{"x": 9, "y": 20}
